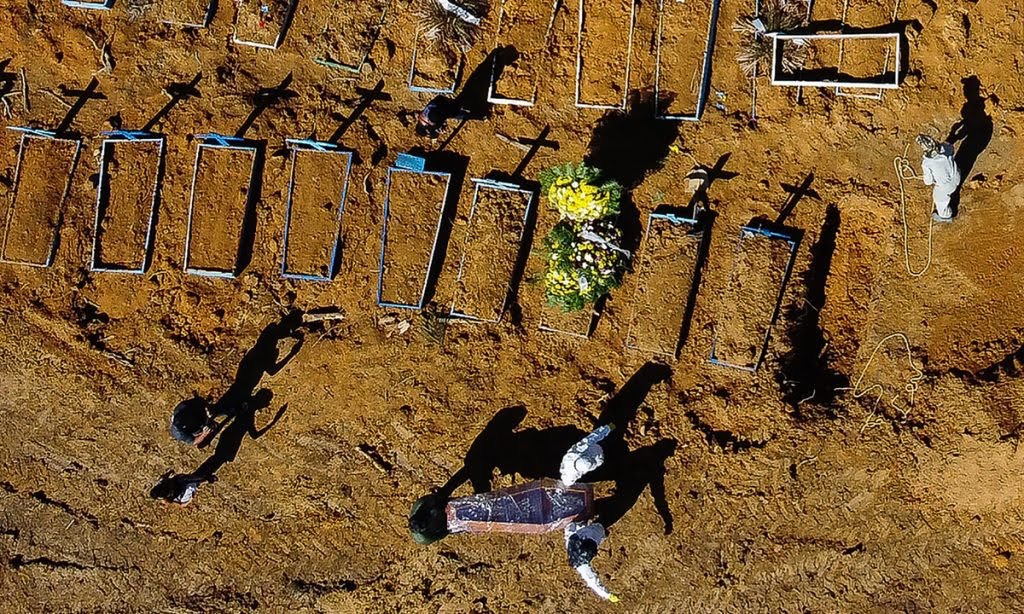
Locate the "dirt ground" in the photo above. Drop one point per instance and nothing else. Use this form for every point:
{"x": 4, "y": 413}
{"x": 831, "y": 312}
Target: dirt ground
{"x": 837, "y": 478}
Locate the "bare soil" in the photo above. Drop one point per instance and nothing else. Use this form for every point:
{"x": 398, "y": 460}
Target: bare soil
{"x": 665, "y": 273}
{"x": 493, "y": 240}
{"x": 684, "y": 40}
{"x": 437, "y": 64}
{"x": 315, "y": 223}
{"x": 524, "y": 24}
{"x": 604, "y": 47}
{"x": 253, "y": 24}
{"x": 415, "y": 204}
{"x": 132, "y": 172}
{"x": 751, "y": 298}
{"x": 342, "y": 31}
{"x": 832, "y": 503}
{"x": 34, "y": 215}
{"x": 185, "y": 12}
{"x": 218, "y": 207}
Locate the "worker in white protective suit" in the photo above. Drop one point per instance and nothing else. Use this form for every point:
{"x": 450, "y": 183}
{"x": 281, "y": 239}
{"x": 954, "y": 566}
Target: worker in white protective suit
{"x": 583, "y": 538}
{"x": 939, "y": 169}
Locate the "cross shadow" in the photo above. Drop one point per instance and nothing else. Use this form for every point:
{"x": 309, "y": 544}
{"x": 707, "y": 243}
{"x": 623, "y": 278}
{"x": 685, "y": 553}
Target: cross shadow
{"x": 81, "y": 98}
{"x": 975, "y": 128}
{"x": 177, "y": 92}
{"x": 472, "y": 98}
{"x": 367, "y": 98}
{"x": 537, "y": 453}
{"x": 796, "y": 194}
{"x": 713, "y": 174}
{"x": 265, "y": 98}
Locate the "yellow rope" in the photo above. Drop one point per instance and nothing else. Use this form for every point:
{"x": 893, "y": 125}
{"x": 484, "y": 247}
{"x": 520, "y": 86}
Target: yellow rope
{"x": 910, "y": 387}
{"x": 903, "y": 171}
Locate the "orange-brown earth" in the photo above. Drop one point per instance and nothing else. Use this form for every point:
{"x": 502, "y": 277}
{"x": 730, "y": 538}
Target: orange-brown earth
{"x": 786, "y": 494}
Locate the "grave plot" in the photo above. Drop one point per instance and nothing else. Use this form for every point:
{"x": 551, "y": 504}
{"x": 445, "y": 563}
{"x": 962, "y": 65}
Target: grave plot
{"x": 262, "y": 23}
{"x": 187, "y": 13}
{"x": 436, "y": 66}
{"x": 686, "y": 40}
{"x": 867, "y": 14}
{"x": 604, "y": 45}
{"x": 869, "y": 61}
{"x": 316, "y": 200}
{"x": 131, "y": 167}
{"x": 345, "y": 31}
{"x": 750, "y": 303}
{"x": 413, "y": 219}
{"x": 220, "y": 208}
{"x": 666, "y": 284}
{"x": 46, "y": 165}
{"x": 575, "y": 323}
{"x": 527, "y": 25}
{"x": 493, "y": 251}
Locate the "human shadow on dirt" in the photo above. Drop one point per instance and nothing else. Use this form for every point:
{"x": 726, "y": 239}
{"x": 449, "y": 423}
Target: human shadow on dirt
{"x": 973, "y": 131}
{"x": 234, "y": 429}
{"x": 627, "y": 146}
{"x": 537, "y": 453}
{"x": 263, "y": 358}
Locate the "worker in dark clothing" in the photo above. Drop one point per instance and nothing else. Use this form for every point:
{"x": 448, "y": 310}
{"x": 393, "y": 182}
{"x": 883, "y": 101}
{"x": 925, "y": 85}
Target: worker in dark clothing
{"x": 436, "y": 114}
{"x": 179, "y": 488}
{"x": 192, "y": 421}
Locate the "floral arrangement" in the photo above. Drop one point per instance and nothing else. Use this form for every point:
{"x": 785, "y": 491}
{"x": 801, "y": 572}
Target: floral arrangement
{"x": 584, "y": 257}
{"x": 576, "y": 191}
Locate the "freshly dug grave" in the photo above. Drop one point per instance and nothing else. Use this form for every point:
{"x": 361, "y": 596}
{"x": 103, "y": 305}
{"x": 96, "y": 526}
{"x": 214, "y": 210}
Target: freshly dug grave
{"x": 604, "y": 51}
{"x": 262, "y": 22}
{"x": 751, "y": 298}
{"x": 491, "y": 251}
{"x": 130, "y": 185}
{"x": 35, "y": 213}
{"x": 684, "y": 41}
{"x": 665, "y": 273}
{"x": 219, "y": 204}
{"x": 415, "y": 205}
{"x": 526, "y": 25}
{"x": 341, "y": 31}
{"x": 437, "y": 64}
{"x": 316, "y": 209}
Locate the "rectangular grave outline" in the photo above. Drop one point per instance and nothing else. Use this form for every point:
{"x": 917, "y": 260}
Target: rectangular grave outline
{"x": 530, "y": 204}
{"x": 594, "y": 315}
{"x": 579, "y": 60}
{"x": 877, "y": 95}
{"x": 298, "y": 145}
{"x": 519, "y": 102}
{"x": 793, "y": 245}
{"x": 694, "y": 281}
{"x": 106, "y": 5}
{"x": 123, "y": 136}
{"x": 778, "y": 39}
{"x": 288, "y": 16}
{"x": 384, "y": 236}
{"x": 219, "y": 141}
{"x": 329, "y": 63}
{"x": 432, "y": 90}
{"x": 705, "y": 80}
{"x": 30, "y": 133}
{"x": 207, "y": 18}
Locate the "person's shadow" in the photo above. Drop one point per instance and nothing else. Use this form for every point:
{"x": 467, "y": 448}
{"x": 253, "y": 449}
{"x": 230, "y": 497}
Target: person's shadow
{"x": 234, "y": 429}
{"x": 537, "y": 453}
{"x": 263, "y": 357}
{"x": 974, "y": 130}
